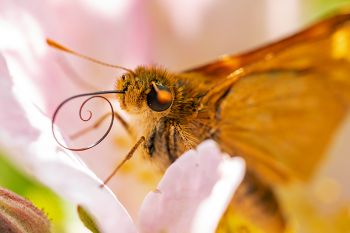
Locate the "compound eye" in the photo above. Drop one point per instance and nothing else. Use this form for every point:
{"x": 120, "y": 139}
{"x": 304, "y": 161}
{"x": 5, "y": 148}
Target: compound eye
{"x": 160, "y": 98}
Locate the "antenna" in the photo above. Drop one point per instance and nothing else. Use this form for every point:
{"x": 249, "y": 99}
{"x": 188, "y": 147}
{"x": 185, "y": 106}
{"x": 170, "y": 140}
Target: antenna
{"x": 58, "y": 46}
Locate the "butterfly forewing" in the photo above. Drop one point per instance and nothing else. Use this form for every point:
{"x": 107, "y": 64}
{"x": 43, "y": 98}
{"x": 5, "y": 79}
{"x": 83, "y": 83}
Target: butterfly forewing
{"x": 281, "y": 111}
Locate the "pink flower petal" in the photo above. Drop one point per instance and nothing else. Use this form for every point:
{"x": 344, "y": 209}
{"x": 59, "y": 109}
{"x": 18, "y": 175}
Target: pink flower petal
{"x": 198, "y": 180}
{"x": 211, "y": 209}
{"x": 42, "y": 158}
{"x": 119, "y": 36}
{"x": 25, "y": 26}
{"x": 8, "y": 118}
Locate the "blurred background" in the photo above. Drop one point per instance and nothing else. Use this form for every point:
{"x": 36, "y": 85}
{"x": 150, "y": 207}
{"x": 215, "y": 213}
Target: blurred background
{"x": 174, "y": 34}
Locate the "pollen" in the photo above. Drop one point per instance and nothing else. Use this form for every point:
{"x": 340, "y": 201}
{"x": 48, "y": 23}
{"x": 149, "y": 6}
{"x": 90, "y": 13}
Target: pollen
{"x": 341, "y": 44}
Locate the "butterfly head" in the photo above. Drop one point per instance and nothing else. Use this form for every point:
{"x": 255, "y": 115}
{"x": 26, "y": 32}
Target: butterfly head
{"x": 147, "y": 90}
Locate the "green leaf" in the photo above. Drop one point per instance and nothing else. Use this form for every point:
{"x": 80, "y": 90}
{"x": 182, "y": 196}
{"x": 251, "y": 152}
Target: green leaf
{"x": 87, "y": 219}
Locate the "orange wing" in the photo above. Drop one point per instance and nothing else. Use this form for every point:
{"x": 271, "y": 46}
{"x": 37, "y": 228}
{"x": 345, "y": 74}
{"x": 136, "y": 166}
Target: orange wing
{"x": 280, "y": 105}
{"x": 228, "y": 64}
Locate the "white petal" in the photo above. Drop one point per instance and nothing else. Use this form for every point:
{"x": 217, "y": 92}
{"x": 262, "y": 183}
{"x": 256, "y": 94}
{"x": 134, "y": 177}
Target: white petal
{"x": 198, "y": 180}
{"x": 30, "y": 143}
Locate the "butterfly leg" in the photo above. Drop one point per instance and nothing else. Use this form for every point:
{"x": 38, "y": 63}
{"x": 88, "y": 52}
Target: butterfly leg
{"x": 127, "y": 157}
{"x": 98, "y": 123}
